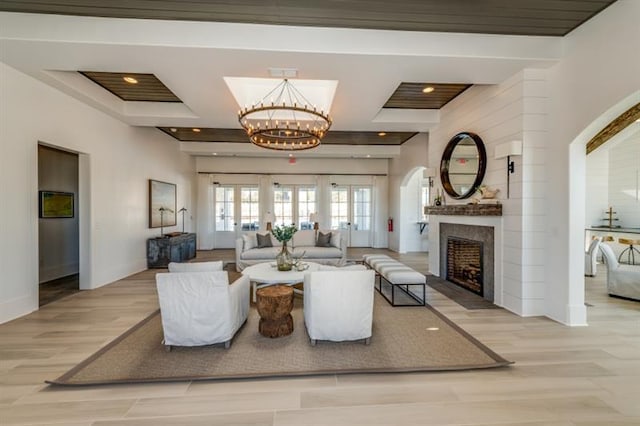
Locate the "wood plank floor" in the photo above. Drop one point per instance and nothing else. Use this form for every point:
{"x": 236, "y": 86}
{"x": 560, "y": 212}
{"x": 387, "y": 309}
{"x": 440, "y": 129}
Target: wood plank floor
{"x": 583, "y": 376}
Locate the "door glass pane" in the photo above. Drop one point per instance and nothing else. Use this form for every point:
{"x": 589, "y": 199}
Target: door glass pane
{"x": 249, "y": 209}
{"x": 361, "y": 209}
{"x": 306, "y": 206}
{"x": 283, "y": 205}
{"x": 339, "y": 208}
{"x": 224, "y": 208}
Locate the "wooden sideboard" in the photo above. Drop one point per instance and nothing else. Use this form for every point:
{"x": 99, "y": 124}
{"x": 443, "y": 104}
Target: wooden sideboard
{"x": 178, "y": 248}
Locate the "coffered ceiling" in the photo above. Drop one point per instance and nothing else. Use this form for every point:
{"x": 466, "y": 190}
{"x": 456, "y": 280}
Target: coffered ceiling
{"x": 379, "y": 73}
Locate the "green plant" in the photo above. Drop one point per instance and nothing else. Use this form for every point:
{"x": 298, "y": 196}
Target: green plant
{"x": 284, "y": 233}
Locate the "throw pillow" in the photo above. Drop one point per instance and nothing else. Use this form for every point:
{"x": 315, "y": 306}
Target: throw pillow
{"x": 335, "y": 239}
{"x": 304, "y": 238}
{"x": 264, "y": 240}
{"x": 249, "y": 241}
{"x": 324, "y": 240}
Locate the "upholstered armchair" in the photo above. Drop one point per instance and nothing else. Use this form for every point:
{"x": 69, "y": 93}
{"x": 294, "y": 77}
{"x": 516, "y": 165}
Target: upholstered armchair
{"x": 196, "y": 266}
{"x": 590, "y": 257}
{"x": 201, "y": 308}
{"x": 338, "y": 305}
{"x": 622, "y": 280}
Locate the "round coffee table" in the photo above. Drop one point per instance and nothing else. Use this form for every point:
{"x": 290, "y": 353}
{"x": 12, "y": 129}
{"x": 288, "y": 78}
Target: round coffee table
{"x": 266, "y": 274}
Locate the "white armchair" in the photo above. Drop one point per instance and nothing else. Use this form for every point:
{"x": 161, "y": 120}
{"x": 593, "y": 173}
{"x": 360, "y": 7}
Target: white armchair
{"x": 622, "y": 280}
{"x": 201, "y": 308}
{"x": 338, "y": 305}
{"x": 590, "y": 257}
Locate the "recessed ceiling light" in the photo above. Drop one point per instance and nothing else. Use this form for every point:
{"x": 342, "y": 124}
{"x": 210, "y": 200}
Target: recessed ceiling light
{"x": 290, "y": 155}
{"x": 173, "y": 129}
{"x": 130, "y": 80}
{"x": 368, "y": 155}
{"x": 638, "y": 120}
{"x": 382, "y": 134}
{"x": 196, "y": 130}
{"x": 428, "y": 89}
{"x": 433, "y": 329}
{"x": 214, "y": 153}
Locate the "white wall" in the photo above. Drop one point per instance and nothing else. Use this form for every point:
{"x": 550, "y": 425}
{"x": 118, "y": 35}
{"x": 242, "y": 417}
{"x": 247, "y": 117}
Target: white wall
{"x": 121, "y": 159}
{"x": 512, "y": 110}
{"x": 624, "y": 181}
{"x": 413, "y": 155}
{"x": 597, "y": 80}
{"x": 597, "y": 184}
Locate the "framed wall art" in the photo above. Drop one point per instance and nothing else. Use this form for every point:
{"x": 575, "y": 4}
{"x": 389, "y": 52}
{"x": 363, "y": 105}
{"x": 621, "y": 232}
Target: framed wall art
{"x": 162, "y": 204}
{"x": 56, "y": 204}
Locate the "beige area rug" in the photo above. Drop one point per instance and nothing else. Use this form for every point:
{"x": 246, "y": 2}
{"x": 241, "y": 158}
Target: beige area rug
{"x": 404, "y": 339}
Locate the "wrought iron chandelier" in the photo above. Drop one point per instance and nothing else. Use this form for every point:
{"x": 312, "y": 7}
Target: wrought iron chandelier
{"x": 284, "y": 120}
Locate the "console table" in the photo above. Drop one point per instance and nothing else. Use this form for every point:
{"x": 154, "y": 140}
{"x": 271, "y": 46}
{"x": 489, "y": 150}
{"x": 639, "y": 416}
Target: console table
{"x": 178, "y": 248}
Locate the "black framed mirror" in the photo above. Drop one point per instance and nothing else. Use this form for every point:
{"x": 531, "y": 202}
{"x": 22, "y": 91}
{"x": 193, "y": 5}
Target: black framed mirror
{"x": 463, "y": 165}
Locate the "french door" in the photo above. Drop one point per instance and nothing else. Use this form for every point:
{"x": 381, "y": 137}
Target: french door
{"x": 237, "y": 210}
{"x": 351, "y": 213}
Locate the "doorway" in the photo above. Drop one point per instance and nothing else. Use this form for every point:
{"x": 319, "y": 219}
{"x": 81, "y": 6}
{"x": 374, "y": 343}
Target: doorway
{"x": 237, "y": 211}
{"x": 58, "y": 224}
{"x": 351, "y": 211}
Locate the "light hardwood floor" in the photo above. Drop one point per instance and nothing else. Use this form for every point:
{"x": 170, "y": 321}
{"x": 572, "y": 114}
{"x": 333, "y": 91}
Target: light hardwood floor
{"x": 563, "y": 376}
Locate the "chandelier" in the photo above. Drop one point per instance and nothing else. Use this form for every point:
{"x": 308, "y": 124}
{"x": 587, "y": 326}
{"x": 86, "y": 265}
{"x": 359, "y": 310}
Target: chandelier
{"x": 284, "y": 120}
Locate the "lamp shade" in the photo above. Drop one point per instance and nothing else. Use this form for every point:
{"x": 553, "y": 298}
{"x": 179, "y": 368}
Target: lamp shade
{"x": 269, "y": 217}
{"x": 314, "y": 217}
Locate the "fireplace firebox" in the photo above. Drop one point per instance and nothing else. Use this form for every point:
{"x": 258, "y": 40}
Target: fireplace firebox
{"x": 465, "y": 264}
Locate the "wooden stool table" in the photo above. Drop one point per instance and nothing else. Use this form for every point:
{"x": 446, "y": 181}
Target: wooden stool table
{"x": 275, "y": 304}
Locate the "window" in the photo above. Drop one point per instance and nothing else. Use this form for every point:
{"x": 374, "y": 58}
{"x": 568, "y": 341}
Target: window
{"x": 306, "y": 206}
{"x": 283, "y": 205}
{"x": 361, "y": 209}
{"x": 339, "y": 208}
{"x": 224, "y": 208}
{"x": 249, "y": 209}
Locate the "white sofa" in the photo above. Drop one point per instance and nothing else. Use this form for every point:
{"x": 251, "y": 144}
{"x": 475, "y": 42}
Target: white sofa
{"x": 303, "y": 242}
{"x": 338, "y": 304}
{"x": 590, "y": 265}
{"x": 201, "y": 308}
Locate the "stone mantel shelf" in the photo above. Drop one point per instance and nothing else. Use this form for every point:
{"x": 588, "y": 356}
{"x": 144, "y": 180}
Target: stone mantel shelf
{"x": 466, "y": 210}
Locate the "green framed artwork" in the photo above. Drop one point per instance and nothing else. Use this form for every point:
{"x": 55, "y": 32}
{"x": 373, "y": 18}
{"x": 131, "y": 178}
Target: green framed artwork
{"x": 56, "y": 204}
{"x": 162, "y": 204}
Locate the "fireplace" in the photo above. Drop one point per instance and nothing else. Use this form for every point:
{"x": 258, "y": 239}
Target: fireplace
{"x": 464, "y": 264}
{"x": 475, "y": 247}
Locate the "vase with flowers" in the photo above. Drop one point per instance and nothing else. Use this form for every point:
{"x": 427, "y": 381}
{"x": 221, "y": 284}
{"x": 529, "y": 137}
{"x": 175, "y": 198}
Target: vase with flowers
{"x": 284, "y": 233}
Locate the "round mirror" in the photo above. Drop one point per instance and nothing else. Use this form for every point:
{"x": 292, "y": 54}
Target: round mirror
{"x": 463, "y": 164}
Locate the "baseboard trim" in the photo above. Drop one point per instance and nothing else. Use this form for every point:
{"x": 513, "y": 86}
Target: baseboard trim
{"x": 17, "y": 307}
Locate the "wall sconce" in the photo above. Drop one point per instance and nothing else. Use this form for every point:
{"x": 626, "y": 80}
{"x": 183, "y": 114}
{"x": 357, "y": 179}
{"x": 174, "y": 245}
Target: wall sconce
{"x": 334, "y": 184}
{"x": 507, "y": 150}
{"x": 429, "y": 173}
{"x": 216, "y": 183}
{"x": 276, "y": 184}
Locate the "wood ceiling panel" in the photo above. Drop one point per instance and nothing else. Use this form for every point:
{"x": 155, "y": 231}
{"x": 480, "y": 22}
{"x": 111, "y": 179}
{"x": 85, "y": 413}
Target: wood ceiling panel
{"x": 148, "y": 88}
{"x": 520, "y": 17}
{"x": 410, "y": 95}
{"x": 184, "y": 134}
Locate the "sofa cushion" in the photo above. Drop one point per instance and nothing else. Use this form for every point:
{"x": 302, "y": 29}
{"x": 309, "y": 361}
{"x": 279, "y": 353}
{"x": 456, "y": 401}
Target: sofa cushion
{"x": 196, "y": 266}
{"x": 265, "y": 253}
{"x": 264, "y": 240}
{"x": 317, "y": 252}
{"x": 249, "y": 241}
{"x": 305, "y": 237}
{"x": 324, "y": 240}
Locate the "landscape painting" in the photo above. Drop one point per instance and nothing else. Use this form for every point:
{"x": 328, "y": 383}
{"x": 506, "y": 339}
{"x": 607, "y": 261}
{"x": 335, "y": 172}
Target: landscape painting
{"x": 162, "y": 204}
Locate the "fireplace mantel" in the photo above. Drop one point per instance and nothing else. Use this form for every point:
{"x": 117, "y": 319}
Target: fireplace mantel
{"x": 466, "y": 210}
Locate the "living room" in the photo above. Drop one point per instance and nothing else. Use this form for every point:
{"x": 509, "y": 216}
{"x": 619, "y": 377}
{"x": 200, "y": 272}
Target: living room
{"x": 551, "y": 93}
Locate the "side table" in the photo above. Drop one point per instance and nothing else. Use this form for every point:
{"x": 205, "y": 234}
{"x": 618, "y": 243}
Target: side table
{"x": 275, "y": 304}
